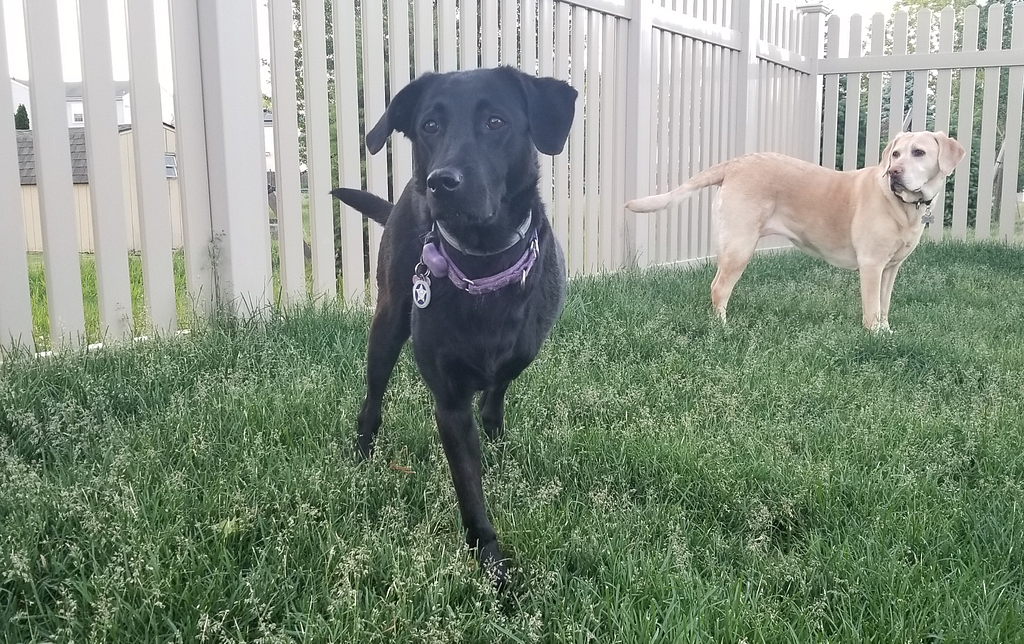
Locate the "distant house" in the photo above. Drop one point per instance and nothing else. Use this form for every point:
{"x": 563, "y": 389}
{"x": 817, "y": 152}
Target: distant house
{"x": 80, "y": 180}
{"x": 75, "y": 101}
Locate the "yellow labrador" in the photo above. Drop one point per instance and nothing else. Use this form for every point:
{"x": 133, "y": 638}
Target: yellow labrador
{"x": 868, "y": 220}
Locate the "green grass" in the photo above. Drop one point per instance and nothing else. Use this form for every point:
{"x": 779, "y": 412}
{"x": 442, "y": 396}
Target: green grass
{"x": 93, "y": 331}
{"x": 788, "y": 478}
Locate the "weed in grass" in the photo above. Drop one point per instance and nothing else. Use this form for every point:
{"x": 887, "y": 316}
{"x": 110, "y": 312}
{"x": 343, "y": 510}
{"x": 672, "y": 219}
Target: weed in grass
{"x": 788, "y": 478}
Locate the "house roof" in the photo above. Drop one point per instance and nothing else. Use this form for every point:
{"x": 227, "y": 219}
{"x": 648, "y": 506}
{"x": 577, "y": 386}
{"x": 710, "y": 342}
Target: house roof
{"x": 79, "y": 161}
{"x": 27, "y": 156}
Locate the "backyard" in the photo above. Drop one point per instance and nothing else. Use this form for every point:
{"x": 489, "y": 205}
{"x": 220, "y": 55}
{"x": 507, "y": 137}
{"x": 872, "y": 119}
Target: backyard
{"x": 788, "y": 478}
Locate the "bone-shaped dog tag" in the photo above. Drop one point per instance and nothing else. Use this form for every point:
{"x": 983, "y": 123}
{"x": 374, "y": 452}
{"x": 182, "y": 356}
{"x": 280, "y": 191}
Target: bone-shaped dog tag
{"x": 421, "y": 291}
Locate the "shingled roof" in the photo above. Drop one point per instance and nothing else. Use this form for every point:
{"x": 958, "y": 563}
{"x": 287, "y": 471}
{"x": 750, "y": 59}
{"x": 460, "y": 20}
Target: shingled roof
{"x": 27, "y": 156}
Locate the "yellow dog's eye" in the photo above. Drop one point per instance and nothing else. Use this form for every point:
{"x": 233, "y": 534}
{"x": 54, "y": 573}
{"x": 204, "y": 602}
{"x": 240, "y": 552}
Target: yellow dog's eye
{"x": 918, "y": 152}
{"x": 895, "y": 155}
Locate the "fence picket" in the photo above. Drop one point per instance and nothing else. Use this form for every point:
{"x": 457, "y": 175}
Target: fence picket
{"x": 576, "y": 144}
{"x": 447, "y": 37}
{"x": 151, "y": 181}
{"x": 1008, "y": 216}
{"x": 874, "y": 124}
{"x": 943, "y": 91}
{"x": 592, "y": 156}
{"x": 469, "y": 33}
{"x": 318, "y": 147}
{"x": 528, "y": 42}
{"x": 561, "y": 205}
{"x": 922, "y": 45}
{"x": 674, "y": 135}
{"x": 965, "y": 125}
{"x": 53, "y": 176}
{"x": 291, "y": 254}
{"x": 663, "y": 51}
{"x": 398, "y": 76}
{"x": 545, "y": 67}
{"x": 851, "y": 132}
{"x": 830, "y": 120}
{"x": 373, "y": 107}
{"x": 620, "y": 227}
{"x": 898, "y": 80}
{"x": 106, "y": 189}
{"x": 15, "y": 305}
{"x": 488, "y": 33}
{"x": 423, "y": 37}
{"x": 353, "y": 281}
{"x": 607, "y": 178}
{"x": 989, "y": 113}
{"x": 509, "y": 33}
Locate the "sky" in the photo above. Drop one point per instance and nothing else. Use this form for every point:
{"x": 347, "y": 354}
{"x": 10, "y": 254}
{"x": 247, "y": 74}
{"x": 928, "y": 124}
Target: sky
{"x": 18, "y": 59}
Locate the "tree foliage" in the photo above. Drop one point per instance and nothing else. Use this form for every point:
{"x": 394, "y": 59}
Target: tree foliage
{"x": 21, "y": 118}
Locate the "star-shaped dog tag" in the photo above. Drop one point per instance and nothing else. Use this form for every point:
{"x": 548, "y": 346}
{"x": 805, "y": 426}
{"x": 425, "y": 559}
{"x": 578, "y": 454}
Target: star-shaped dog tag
{"x": 421, "y": 291}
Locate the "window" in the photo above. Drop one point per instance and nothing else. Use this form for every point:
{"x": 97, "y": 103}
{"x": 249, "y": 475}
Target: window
{"x": 171, "y": 165}
{"x": 78, "y": 118}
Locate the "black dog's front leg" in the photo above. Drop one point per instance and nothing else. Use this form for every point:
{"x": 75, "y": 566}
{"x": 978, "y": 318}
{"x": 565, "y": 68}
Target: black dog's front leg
{"x": 388, "y": 332}
{"x": 462, "y": 447}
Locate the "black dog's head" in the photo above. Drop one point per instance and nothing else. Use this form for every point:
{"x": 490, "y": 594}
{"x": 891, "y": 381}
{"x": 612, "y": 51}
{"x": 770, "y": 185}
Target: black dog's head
{"x": 475, "y": 136}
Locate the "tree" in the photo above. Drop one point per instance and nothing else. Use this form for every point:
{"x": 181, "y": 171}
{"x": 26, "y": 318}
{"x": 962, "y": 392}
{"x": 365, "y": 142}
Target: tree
{"x": 21, "y": 118}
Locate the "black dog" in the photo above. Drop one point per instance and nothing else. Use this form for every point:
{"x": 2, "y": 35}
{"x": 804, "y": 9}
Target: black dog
{"x": 468, "y": 262}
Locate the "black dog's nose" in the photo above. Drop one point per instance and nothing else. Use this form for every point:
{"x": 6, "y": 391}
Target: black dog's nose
{"x": 444, "y": 180}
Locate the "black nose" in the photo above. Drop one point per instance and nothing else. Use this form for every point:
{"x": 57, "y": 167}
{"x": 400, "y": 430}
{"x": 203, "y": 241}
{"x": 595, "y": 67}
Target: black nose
{"x": 444, "y": 180}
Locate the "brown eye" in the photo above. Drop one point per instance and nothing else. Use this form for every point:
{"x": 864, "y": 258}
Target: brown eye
{"x": 430, "y": 127}
{"x": 495, "y": 123}
{"x": 895, "y": 155}
{"x": 918, "y": 153}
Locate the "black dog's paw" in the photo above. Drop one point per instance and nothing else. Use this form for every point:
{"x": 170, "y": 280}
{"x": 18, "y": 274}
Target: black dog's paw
{"x": 494, "y": 566}
{"x": 361, "y": 448}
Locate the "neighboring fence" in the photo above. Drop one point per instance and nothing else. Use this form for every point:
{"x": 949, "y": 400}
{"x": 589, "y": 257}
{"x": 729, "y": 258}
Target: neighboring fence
{"x": 666, "y": 89}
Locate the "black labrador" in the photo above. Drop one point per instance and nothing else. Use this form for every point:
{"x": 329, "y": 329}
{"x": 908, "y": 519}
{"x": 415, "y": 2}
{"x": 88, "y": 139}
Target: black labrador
{"x": 468, "y": 262}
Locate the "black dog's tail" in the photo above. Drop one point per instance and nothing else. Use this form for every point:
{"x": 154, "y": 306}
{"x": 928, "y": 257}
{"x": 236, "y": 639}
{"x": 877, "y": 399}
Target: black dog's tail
{"x": 367, "y": 203}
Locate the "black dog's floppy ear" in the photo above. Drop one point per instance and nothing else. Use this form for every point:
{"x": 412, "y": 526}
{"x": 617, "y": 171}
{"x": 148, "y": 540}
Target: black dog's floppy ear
{"x": 550, "y": 107}
{"x": 399, "y": 115}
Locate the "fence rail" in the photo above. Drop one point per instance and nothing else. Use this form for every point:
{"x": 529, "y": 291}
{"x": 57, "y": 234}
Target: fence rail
{"x": 666, "y": 88}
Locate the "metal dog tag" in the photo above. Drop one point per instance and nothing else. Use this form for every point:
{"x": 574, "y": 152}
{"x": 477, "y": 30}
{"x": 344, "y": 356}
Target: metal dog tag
{"x": 421, "y": 291}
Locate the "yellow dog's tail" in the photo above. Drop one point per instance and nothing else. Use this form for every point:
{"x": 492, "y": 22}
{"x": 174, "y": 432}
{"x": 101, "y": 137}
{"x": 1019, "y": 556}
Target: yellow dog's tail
{"x": 713, "y": 176}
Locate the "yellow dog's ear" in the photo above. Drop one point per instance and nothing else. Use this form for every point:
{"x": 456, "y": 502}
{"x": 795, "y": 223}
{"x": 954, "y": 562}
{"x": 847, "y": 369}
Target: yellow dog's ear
{"x": 950, "y": 152}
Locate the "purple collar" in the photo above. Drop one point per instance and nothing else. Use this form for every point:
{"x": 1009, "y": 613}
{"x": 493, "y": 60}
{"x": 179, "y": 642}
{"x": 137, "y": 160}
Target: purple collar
{"x": 436, "y": 262}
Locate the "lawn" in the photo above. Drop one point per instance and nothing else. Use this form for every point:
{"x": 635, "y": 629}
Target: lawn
{"x": 87, "y": 261}
{"x": 788, "y": 478}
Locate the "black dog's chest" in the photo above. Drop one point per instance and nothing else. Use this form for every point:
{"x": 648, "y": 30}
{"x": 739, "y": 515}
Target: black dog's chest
{"x": 476, "y": 336}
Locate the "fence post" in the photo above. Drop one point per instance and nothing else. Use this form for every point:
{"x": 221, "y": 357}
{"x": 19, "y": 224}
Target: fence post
{"x": 748, "y": 22}
{"x": 813, "y": 19}
{"x": 638, "y": 128}
{"x": 232, "y": 111}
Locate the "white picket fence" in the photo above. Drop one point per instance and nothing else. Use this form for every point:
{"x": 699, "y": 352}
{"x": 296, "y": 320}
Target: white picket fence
{"x": 666, "y": 88}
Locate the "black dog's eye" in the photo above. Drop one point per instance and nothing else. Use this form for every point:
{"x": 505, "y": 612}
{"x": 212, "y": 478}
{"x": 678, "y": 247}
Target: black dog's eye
{"x": 430, "y": 127}
{"x": 918, "y": 152}
{"x": 495, "y": 123}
